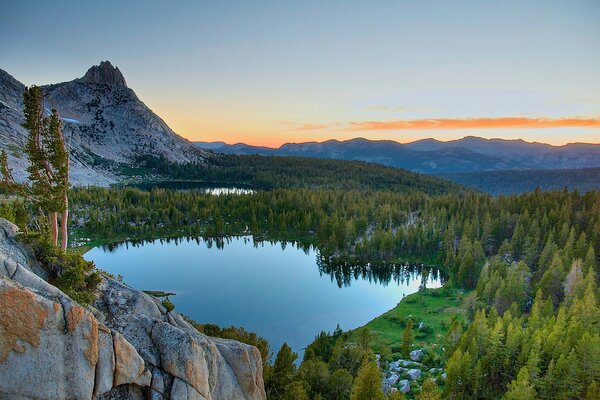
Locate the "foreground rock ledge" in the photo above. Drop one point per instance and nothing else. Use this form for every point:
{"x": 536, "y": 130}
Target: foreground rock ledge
{"x": 125, "y": 347}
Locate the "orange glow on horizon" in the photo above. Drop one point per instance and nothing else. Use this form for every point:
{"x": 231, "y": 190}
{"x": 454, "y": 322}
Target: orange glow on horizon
{"x": 554, "y": 131}
{"x": 476, "y": 123}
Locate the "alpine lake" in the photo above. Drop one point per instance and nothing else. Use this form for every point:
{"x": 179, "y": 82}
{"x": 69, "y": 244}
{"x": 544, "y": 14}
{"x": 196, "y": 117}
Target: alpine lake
{"x": 283, "y": 291}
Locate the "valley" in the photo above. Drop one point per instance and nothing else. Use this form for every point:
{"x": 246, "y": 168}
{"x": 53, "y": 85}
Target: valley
{"x": 322, "y": 265}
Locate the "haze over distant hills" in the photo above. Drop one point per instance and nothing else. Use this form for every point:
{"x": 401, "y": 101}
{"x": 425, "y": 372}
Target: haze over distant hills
{"x": 109, "y": 129}
{"x": 107, "y": 126}
{"x": 470, "y": 154}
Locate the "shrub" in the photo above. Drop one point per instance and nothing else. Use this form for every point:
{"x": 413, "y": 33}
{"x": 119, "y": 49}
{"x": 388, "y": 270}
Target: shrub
{"x": 168, "y": 304}
{"x": 240, "y": 334}
{"x": 397, "y": 319}
{"x": 14, "y": 211}
{"x": 69, "y": 271}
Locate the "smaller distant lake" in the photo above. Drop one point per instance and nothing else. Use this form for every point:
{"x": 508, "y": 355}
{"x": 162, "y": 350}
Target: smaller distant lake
{"x": 216, "y": 189}
{"x": 283, "y": 291}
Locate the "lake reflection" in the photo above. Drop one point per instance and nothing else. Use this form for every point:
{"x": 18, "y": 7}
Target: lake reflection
{"x": 284, "y": 291}
{"x": 205, "y": 187}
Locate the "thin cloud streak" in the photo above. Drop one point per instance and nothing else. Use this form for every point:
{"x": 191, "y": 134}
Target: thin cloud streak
{"x": 311, "y": 127}
{"x": 474, "y": 123}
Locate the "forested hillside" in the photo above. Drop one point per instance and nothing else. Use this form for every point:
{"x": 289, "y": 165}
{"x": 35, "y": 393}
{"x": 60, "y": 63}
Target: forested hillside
{"x": 269, "y": 172}
{"x": 521, "y": 181}
{"x": 532, "y": 260}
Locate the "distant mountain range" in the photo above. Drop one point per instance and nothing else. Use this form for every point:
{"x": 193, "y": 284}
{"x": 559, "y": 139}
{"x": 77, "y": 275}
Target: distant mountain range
{"x": 527, "y": 180}
{"x": 470, "y": 154}
{"x": 106, "y": 125}
{"x": 108, "y": 129}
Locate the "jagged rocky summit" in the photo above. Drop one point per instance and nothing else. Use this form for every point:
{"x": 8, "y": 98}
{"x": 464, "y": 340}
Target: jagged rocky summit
{"x": 106, "y": 125}
{"x": 127, "y": 346}
{"x": 104, "y": 73}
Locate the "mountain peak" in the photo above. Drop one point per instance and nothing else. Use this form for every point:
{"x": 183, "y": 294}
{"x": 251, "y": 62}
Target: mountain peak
{"x": 105, "y": 74}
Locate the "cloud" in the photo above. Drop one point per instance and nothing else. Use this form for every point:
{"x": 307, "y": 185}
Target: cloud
{"x": 474, "y": 123}
{"x": 311, "y": 127}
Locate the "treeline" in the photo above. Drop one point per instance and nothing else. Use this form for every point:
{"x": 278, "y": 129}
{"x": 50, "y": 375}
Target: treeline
{"x": 521, "y": 181}
{"x": 459, "y": 230}
{"x": 295, "y": 172}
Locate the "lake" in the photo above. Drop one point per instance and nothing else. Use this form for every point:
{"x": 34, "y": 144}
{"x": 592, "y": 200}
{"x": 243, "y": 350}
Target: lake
{"x": 283, "y": 291}
{"x": 206, "y": 187}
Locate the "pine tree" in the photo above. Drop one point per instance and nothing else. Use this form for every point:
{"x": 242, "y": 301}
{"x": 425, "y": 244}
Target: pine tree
{"x": 407, "y": 339}
{"x": 48, "y": 164}
{"x": 429, "y": 391}
{"x": 295, "y": 391}
{"x": 364, "y": 338}
{"x": 589, "y": 262}
{"x": 282, "y": 373}
{"x": 560, "y": 381}
{"x": 460, "y": 376}
{"x": 520, "y": 388}
{"x": 58, "y": 158}
{"x": 453, "y": 335}
{"x": 315, "y": 374}
{"x": 552, "y": 281}
{"x": 340, "y": 385}
{"x": 367, "y": 384}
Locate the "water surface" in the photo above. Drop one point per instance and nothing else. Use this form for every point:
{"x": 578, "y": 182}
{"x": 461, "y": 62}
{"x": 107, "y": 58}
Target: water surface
{"x": 283, "y": 291}
{"x": 206, "y": 187}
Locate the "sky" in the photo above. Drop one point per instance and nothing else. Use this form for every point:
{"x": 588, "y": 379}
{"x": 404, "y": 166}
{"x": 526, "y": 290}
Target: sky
{"x": 271, "y": 72}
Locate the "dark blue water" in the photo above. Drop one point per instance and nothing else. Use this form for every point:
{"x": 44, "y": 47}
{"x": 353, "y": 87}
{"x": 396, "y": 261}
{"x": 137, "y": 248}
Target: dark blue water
{"x": 276, "y": 289}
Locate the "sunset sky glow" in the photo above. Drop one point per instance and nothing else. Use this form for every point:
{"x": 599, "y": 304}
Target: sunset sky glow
{"x": 270, "y": 72}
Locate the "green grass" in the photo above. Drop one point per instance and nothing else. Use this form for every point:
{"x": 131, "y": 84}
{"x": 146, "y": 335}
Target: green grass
{"x": 435, "y": 307}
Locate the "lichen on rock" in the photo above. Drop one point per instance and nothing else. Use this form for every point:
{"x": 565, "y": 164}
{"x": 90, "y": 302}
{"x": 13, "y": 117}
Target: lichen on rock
{"x": 21, "y": 319}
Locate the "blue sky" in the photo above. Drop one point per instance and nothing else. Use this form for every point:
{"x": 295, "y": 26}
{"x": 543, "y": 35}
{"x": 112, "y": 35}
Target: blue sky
{"x": 272, "y": 72}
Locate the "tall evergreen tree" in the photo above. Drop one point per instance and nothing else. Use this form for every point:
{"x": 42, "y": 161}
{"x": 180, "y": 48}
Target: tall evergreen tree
{"x": 429, "y": 391}
{"x": 294, "y": 391}
{"x": 407, "y": 339}
{"x": 520, "y": 388}
{"x": 48, "y": 164}
{"x": 367, "y": 384}
{"x": 282, "y": 374}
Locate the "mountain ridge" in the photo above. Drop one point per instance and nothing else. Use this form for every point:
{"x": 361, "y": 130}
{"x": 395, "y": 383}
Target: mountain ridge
{"x": 106, "y": 125}
{"x": 469, "y": 154}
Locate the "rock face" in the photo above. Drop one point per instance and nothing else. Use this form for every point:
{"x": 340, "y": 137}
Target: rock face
{"x": 125, "y": 347}
{"x": 106, "y": 126}
{"x": 104, "y": 74}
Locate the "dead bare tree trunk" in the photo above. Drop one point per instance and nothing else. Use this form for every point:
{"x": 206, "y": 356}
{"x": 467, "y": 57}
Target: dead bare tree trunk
{"x": 54, "y": 227}
{"x": 65, "y": 225}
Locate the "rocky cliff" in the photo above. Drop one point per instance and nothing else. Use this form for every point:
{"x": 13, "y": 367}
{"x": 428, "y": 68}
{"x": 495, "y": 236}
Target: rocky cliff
{"x": 127, "y": 346}
{"x": 106, "y": 125}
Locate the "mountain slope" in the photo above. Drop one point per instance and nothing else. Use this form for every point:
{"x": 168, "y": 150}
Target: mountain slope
{"x": 469, "y": 154}
{"x": 106, "y": 126}
{"x": 521, "y": 181}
